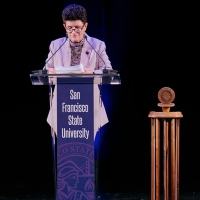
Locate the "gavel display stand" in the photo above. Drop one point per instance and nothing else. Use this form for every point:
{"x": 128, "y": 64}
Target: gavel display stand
{"x": 171, "y": 147}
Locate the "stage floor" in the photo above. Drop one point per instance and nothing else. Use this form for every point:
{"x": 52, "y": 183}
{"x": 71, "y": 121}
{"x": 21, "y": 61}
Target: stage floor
{"x": 10, "y": 190}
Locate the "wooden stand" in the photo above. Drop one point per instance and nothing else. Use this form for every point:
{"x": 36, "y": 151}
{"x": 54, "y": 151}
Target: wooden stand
{"x": 171, "y": 143}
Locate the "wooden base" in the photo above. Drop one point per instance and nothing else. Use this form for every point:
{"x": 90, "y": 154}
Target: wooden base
{"x": 170, "y": 146}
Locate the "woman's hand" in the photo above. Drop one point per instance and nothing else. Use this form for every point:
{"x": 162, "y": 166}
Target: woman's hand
{"x": 51, "y": 71}
{"x": 88, "y": 71}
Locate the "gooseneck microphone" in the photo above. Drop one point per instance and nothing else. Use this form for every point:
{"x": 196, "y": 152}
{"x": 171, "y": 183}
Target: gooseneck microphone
{"x": 85, "y": 36}
{"x": 105, "y": 70}
{"x": 55, "y": 53}
{"x": 44, "y": 70}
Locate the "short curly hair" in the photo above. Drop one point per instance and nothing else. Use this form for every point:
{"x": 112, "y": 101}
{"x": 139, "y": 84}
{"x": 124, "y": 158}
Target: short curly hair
{"x": 74, "y": 12}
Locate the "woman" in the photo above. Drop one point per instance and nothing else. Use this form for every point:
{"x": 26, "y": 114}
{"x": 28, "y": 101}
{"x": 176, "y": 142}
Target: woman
{"x": 74, "y": 49}
{"x": 77, "y": 48}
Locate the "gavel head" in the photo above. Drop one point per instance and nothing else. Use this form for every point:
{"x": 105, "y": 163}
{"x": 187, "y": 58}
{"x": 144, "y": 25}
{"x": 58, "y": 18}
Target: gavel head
{"x": 166, "y": 96}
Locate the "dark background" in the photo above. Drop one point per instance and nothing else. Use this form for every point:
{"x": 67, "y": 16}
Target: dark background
{"x": 152, "y": 44}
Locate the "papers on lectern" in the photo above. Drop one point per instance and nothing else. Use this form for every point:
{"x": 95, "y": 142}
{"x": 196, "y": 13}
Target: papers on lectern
{"x": 76, "y": 69}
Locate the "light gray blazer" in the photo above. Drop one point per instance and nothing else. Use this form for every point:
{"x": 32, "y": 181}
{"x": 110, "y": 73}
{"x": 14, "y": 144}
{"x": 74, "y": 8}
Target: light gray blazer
{"x": 89, "y": 58}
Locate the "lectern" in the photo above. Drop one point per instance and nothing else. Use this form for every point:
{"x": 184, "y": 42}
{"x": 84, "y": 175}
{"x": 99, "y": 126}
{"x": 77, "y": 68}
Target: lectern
{"x": 170, "y": 126}
{"x": 75, "y": 118}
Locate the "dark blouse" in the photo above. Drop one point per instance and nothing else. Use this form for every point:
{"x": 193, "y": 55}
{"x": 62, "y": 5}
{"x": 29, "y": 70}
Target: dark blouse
{"x": 76, "y": 49}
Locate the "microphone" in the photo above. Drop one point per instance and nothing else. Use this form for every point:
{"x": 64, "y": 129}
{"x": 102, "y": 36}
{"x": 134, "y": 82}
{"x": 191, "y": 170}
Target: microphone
{"x": 105, "y": 71}
{"x": 55, "y": 52}
{"x": 85, "y": 36}
{"x": 44, "y": 70}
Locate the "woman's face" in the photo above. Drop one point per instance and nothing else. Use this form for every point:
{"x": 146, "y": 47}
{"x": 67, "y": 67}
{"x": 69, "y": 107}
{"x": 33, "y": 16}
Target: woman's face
{"x": 75, "y": 30}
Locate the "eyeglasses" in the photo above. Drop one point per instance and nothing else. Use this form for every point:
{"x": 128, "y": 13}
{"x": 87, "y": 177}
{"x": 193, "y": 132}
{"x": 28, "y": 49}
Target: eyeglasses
{"x": 77, "y": 29}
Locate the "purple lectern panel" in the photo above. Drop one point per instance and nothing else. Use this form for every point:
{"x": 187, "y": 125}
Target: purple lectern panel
{"x": 75, "y": 141}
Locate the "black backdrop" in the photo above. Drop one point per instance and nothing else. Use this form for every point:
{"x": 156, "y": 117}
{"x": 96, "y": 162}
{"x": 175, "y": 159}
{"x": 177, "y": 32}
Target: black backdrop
{"x": 152, "y": 44}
